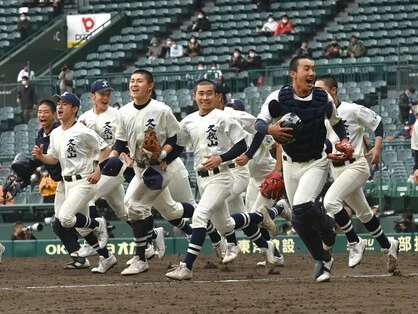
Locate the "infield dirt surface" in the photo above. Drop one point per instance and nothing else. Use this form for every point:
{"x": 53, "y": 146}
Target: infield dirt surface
{"x": 41, "y": 285}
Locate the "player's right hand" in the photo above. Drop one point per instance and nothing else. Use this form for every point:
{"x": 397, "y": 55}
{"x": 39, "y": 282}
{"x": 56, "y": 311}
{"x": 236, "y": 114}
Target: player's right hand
{"x": 280, "y": 134}
{"x": 37, "y": 151}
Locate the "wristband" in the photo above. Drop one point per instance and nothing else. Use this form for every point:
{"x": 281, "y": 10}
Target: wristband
{"x": 162, "y": 155}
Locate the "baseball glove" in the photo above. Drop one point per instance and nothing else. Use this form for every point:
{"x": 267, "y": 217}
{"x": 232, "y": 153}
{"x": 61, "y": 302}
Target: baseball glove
{"x": 272, "y": 186}
{"x": 151, "y": 146}
{"x": 346, "y": 149}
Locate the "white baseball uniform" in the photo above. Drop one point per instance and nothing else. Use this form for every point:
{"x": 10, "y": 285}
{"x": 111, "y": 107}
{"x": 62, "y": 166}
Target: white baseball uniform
{"x": 109, "y": 188}
{"x": 350, "y": 176}
{"x": 414, "y": 137}
{"x": 260, "y": 166}
{"x": 75, "y": 149}
{"x": 132, "y": 124}
{"x": 212, "y": 134}
{"x": 303, "y": 180}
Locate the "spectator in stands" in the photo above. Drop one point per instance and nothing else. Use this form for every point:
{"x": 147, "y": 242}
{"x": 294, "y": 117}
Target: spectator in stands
{"x": 237, "y": 62}
{"x": 66, "y": 78}
{"x": 262, "y": 5}
{"x": 24, "y": 26}
{"x": 403, "y": 134}
{"x": 25, "y": 72}
{"x": 176, "y": 50}
{"x": 214, "y": 73}
{"x": 154, "y": 49}
{"x": 26, "y": 97}
{"x": 407, "y": 224}
{"x": 269, "y": 27}
{"x": 303, "y": 50}
{"x": 406, "y": 102}
{"x": 165, "y": 49}
{"x": 253, "y": 61}
{"x": 198, "y": 75}
{"x": 202, "y": 23}
{"x": 355, "y": 48}
{"x": 193, "y": 47}
{"x": 21, "y": 233}
{"x": 47, "y": 187}
{"x": 285, "y": 26}
{"x": 332, "y": 50}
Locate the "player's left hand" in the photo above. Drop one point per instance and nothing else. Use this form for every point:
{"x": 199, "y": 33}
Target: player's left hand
{"x": 94, "y": 177}
{"x": 375, "y": 153}
{"x": 37, "y": 151}
{"x": 212, "y": 162}
{"x": 163, "y": 165}
{"x": 242, "y": 160}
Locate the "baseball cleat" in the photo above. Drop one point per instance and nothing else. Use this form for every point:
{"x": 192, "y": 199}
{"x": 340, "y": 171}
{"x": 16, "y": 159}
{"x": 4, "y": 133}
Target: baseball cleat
{"x": 159, "y": 242}
{"x": 267, "y": 222}
{"x": 101, "y": 232}
{"x": 149, "y": 254}
{"x": 268, "y": 254}
{"x": 324, "y": 271}
{"x": 286, "y": 211}
{"x": 137, "y": 266}
{"x": 356, "y": 251}
{"x": 278, "y": 260}
{"x": 220, "y": 248}
{"x": 86, "y": 250}
{"x": 232, "y": 252}
{"x": 392, "y": 255}
{"x": 180, "y": 272}
{"x": 2, "y": 249}
{"x": 77, "y": 263}
{"x": 105, "y": 264}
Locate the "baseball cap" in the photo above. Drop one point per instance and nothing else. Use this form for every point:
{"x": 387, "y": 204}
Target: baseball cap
{"x": 68, "y": 98}
{"x": 218, "y": 87}
{"x": 100, "y": 86}
{"x": 236, "y": 103}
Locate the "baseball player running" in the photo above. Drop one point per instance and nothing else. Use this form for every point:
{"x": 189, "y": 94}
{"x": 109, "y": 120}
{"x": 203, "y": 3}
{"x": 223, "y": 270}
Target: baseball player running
{"x": 350, "y": 176}
{"x": 148, "y": 188}
{"x": 216, "y": 139}
{"x": 74, "y": 145}
{"x": 102, "y": 119}
{"x": 305, "y": 165}
{"x": 69, "y": 237}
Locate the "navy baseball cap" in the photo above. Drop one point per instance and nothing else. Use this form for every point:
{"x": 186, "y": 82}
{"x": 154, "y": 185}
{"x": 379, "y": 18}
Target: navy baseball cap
{"x": 237, "y": 104}
{"x": 153, "y": 179}
{"x": 68, "y": 98}
{"x": 100, "y": 86}
{"x": 218, "y": 87}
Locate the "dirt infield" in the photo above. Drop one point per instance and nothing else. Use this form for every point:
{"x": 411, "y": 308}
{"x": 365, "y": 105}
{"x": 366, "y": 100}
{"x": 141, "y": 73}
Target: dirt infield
{"x": 41, "y": 285}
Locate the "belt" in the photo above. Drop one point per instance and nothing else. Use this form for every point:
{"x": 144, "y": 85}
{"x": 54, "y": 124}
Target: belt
{"x": 72, "y": 178}
{"x": 337, "y": 164}
{"x": 287, "y": 158}
{"x": 230, "y": 166}
{"x": 143, "y": 164}
{"x": 206, "y": 173}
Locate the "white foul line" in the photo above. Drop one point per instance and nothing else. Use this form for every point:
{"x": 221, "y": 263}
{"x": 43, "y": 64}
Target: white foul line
{"x": 194, "y": 282}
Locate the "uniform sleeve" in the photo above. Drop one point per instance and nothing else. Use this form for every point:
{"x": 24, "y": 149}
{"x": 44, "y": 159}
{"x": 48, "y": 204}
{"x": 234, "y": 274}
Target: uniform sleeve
{"x": 234, "y": 130}
{"x": 121, "y": 129}
{"x": 368, "y": 118}
{"x": 332, "y": 114}
{"x": 94, "y": 140}
{"x": 247, "y": 121}
{"x": 183, "y": 137}
{"x": 172, "y": 124}
{"x": 51, "y": 148}
{"x": 265, "y": 114}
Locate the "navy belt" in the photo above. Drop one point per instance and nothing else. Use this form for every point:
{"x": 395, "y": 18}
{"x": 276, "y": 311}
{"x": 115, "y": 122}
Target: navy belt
{"x": 286, "y": 158}
{"x": 72, "y": 178}
{"x": 143, "y": 164}
{"x": 337, "y": 164}
{"x": 206, "y": 173}
{"x": 231, "y": 165}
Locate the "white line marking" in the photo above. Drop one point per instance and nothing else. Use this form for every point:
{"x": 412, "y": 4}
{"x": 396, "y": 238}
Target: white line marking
{"x": 196, "y": 282}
